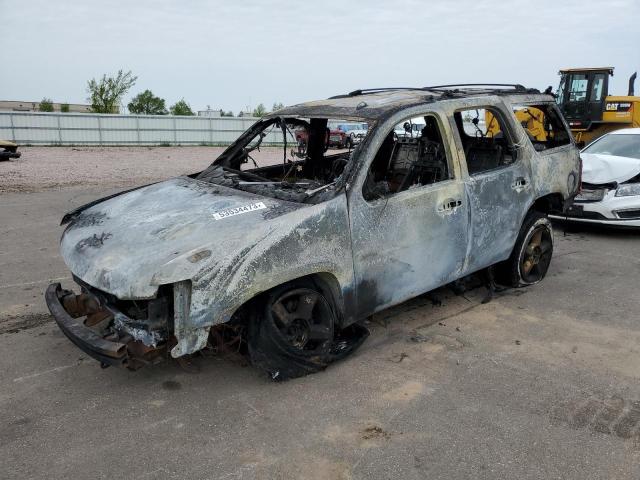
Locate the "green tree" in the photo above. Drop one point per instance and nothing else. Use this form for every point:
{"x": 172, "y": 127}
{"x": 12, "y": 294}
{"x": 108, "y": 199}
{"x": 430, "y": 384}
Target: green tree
{"x": 277, "y": 106}
{"x": 181, "y": 107}
{"x": 46, "y": 105}
{"x": 259, "y": 111}
{"x": 146, "y": 103}
{"x": 64, "y": 108}
{"x": 106, "y": 93}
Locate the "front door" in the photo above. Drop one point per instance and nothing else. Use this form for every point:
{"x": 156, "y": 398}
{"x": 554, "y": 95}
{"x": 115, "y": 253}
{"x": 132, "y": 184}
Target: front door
{"x": 409, "y": 216}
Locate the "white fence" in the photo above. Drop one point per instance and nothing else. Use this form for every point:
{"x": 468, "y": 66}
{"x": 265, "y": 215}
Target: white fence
{"x": 35, "y": 128}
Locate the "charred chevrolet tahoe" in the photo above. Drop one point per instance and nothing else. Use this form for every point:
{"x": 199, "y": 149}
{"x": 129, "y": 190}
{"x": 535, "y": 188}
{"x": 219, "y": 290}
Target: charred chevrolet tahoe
{"x": 281, "y": 251}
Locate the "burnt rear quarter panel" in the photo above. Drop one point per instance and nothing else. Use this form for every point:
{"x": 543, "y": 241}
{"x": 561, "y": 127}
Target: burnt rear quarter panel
{"x": 553, "y": 171}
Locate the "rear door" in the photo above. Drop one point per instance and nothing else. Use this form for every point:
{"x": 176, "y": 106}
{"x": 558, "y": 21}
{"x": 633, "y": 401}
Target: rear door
{"x": 498, "y": 185}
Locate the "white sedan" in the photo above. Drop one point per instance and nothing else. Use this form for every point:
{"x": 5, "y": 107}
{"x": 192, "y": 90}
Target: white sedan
{"x": 610, "y": 193}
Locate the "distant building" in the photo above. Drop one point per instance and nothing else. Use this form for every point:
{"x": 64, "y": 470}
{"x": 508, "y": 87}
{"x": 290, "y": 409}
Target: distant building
{"x": 18, "y": 106}
{"x": 210, "y": 113}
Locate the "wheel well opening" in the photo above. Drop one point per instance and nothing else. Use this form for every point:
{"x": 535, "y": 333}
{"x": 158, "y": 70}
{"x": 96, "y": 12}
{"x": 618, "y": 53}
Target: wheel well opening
{"x": 326, "y": 283}
{"x": 551, "y": 203}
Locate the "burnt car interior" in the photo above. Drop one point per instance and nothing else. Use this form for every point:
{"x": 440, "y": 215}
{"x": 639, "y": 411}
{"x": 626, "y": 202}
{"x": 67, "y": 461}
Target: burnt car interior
{"x": 305, "y": 168}
{"x": 405, "y": 162}
{"x": 486, "y": 146}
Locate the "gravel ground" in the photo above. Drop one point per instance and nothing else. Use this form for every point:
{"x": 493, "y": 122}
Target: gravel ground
{"x": 42, "y": 168}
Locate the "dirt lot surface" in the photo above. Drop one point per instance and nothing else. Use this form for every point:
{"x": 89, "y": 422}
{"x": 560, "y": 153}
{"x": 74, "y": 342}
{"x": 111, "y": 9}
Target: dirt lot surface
{"x": 542, "y": 382}
{"x": 42, "y": 168}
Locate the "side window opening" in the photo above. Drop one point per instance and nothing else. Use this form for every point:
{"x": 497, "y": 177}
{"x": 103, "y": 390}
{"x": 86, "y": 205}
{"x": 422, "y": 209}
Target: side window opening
{"x": 486, "y": 147}
{"x": 412, "y": 155}
{"x": 543, "y": 126}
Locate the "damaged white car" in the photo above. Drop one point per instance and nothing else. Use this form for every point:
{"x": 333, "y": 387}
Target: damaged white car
{"x": 610, "y": 193}
{"x": 282, "y": 254}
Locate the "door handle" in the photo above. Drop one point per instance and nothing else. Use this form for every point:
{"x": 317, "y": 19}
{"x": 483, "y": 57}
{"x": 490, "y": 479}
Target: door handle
{"x": 519, "y": 184}
{"x": 450, "y": 205}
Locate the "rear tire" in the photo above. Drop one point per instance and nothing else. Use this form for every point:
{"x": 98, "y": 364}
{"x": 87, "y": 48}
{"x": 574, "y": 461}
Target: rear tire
{"x": 531, "y": 256}
{"x": 292, "y": 333}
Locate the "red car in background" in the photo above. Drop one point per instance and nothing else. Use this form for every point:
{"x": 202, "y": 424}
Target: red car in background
{"x": 335, "y": 138}
{"x": 339, "y": 138}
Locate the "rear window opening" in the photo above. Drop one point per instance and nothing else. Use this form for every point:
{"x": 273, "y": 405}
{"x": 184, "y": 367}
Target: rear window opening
{"x": 543, "y": 126}
{"x": 289, "y": 158}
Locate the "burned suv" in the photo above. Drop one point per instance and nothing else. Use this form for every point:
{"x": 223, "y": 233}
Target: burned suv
{"x": 285, "y": 252}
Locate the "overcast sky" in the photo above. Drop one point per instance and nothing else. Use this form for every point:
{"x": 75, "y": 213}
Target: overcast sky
{"x": 232, "y": 54}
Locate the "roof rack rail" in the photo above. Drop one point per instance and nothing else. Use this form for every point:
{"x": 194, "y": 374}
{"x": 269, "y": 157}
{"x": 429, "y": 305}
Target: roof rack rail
{"x": 447, "y": 89}
{"x": 369, "y": 90}
{"x": 362, "y": 91}
{"x": 514, "y": 86}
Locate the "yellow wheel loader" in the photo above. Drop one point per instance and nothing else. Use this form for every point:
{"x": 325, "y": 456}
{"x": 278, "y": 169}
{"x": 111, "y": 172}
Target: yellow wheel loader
{"x": 583, "y": 97}
{"x": 584, "y": 100}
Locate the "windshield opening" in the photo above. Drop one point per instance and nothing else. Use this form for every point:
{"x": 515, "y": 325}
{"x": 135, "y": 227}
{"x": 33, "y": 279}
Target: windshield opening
{"x": 578, "y": 87}
{"x": 289, "y": 158}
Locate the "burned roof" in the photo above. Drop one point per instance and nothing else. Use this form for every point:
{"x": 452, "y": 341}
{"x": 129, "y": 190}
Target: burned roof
{"x": 371, "y": 104}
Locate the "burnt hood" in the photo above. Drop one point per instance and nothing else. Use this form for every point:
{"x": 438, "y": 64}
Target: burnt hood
{"x": 129, "y": 244}
{"x": 599, "y": 169}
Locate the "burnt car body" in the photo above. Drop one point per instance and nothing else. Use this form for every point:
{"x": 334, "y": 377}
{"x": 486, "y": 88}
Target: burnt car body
{"x": 8, "y": 150}
{"x": 309, "y": 246}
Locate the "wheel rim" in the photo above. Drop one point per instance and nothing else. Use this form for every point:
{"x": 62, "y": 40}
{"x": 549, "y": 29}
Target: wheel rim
{"x": 536, "y": 255}
{"x": 303, "y": 317}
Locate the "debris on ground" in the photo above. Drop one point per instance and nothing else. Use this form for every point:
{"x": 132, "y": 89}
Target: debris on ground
{"x": 418, "y": 338}
{"x": 373, "y": 432}
{"x": 435, "y": 301}
{"x": 187, "y": 365}
{"x": 398, "y": 357}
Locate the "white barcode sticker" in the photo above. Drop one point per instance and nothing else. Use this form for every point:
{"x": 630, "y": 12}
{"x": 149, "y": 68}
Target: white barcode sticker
{"x": 230, "y": 212}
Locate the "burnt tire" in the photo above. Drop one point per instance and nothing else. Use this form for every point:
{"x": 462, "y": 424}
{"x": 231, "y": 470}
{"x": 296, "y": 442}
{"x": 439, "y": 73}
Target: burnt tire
{"x": 292, "y": 332}
{"x": 531, "y": 255}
